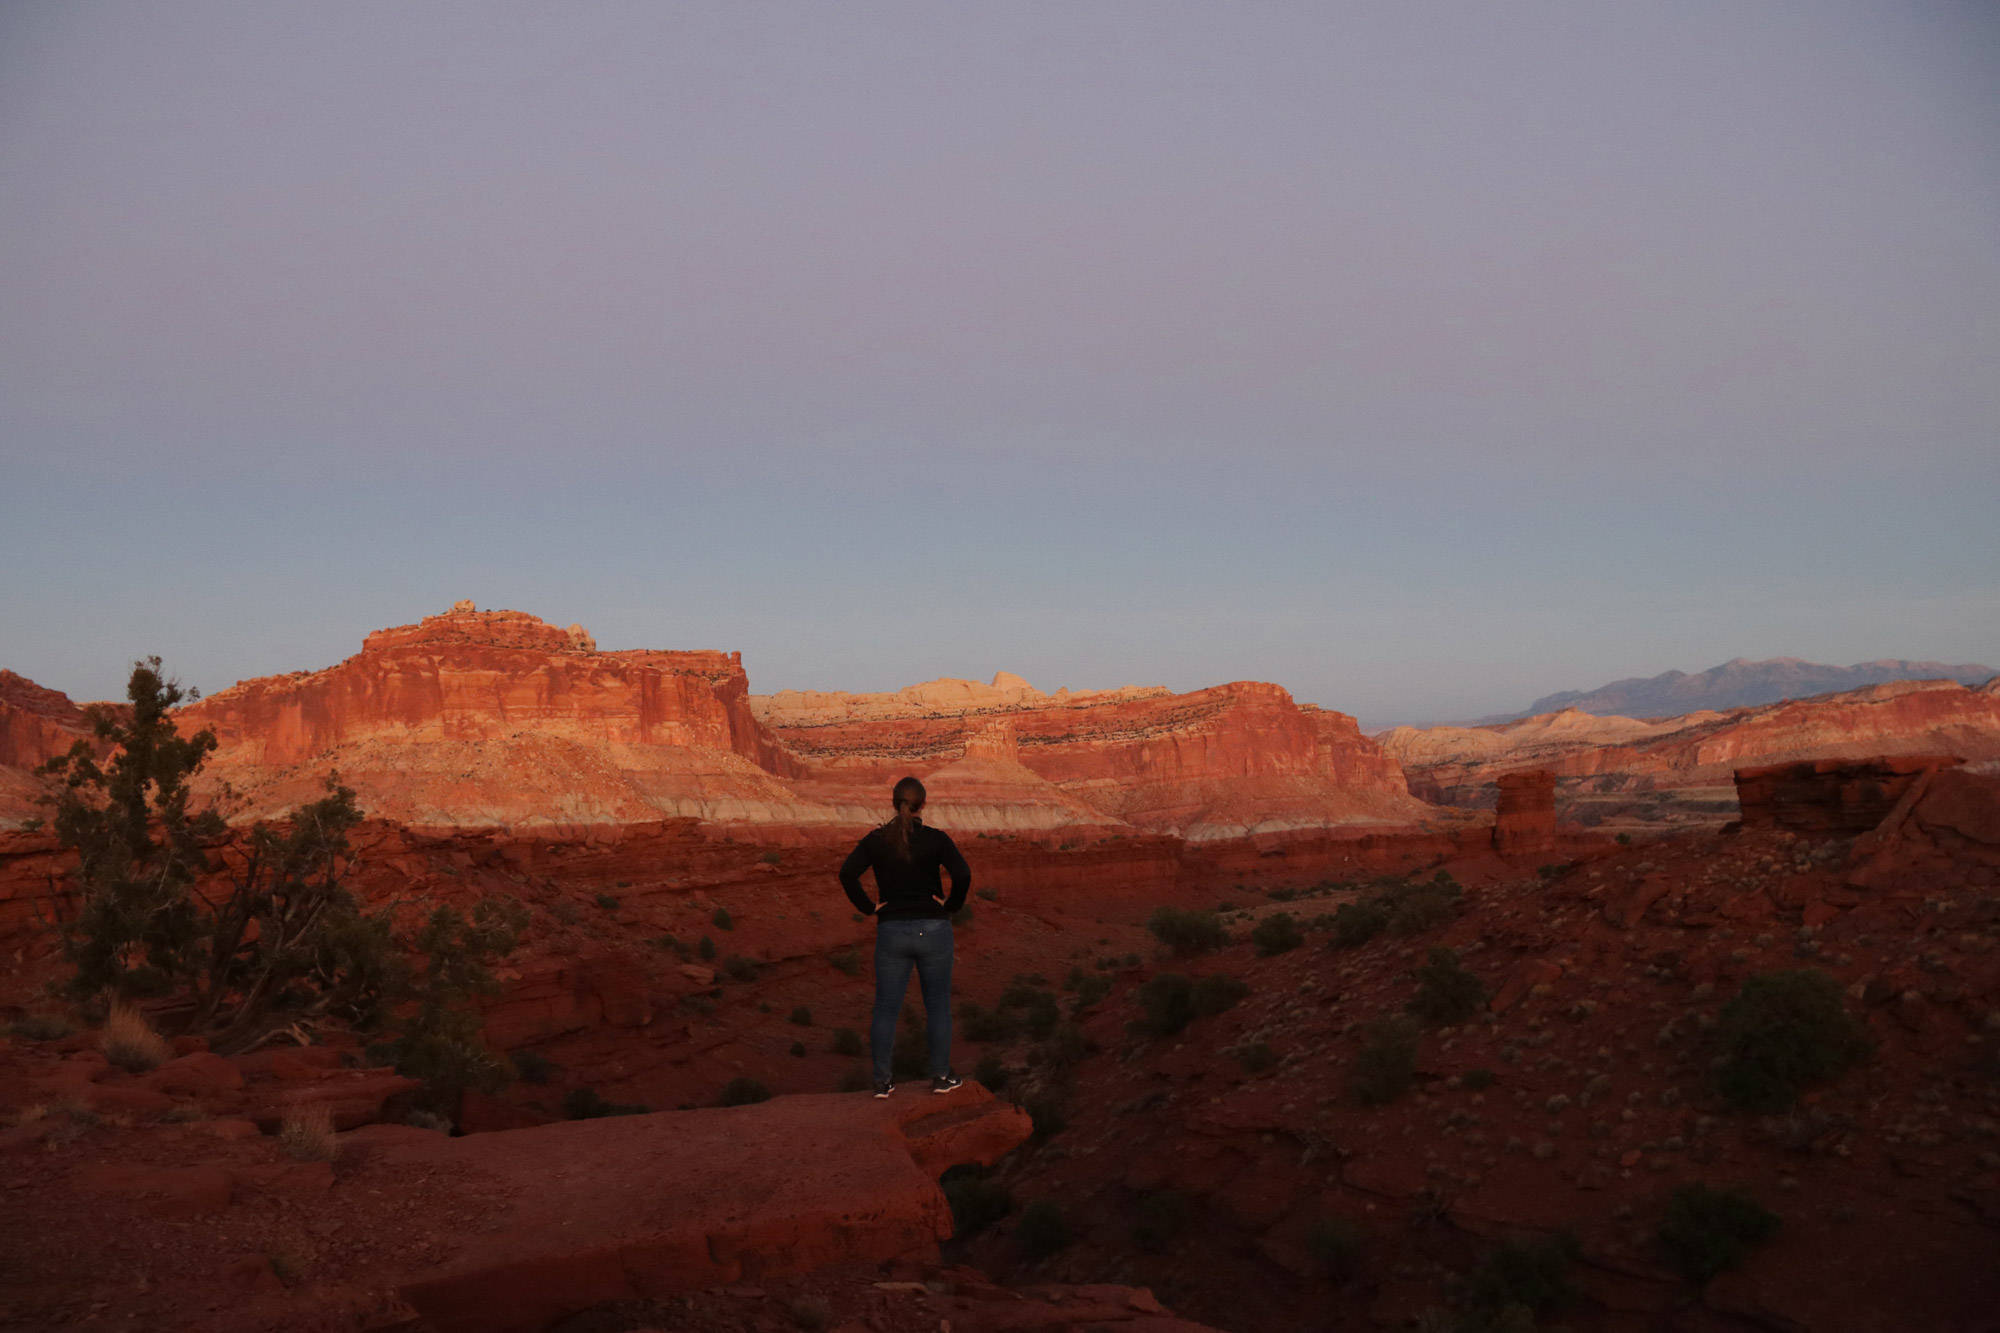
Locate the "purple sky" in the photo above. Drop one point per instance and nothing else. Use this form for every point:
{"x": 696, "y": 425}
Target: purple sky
{"x": 1423, "y": 358}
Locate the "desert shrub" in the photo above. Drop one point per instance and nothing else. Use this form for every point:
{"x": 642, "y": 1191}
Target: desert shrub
{"x": 1065, "y": 1047}
{"x": 799, "y": 1049}
{"x": 1354, "y": 924}
{"x": 1335, "y": 1244}
{"x": 441, "y": 1042}
{"x": 1167, "y": 1003}
{"x": 1416, "y": 907}
{"x": 700, "y": 1004}
{"x": 990, "y": 1074}
{"x": 1708, "y": 1231}
{"x": 1216, "y": 993}
{"x": 672, "y": 944}
{"x": 1030, "y": 1006}
{"x": 771, "y": 858}
{"x": 722, "y": 920}
{"x": 1783, "y": 1032}
{"x": 607, "y": 902}
{"x": 739, "y": 968}
{"x": 854, "y": 1079}
{"x": 306, "y": 1134}
{"x": 846, "y": 1041}
{"x": 1089, "y": 991}
{"x": 1187, "y": 932}
{"x": 1276, "y": 934}
{"x": 743, "y": 1091}
{"x": 1476, "y": 1079}
{"x": 41, "y": 1027}
{"x": 130, "y": 1043}
{"x": 587, "y": 1103}
{"x": 988, "y": 895}
{"x": 1530, "y": 1274}
{"x": 706, "y": 949}
{"x": 1256, "y": 1057}
{"x": 963, "y": 918}
{"x": 976, "y": 1202}
{"x": 184, "y": 1113}
{"x": 1043, "y": 1229}
{"x": 1387, "y": 1063}
{"x": 800, "y": 1017}
{"x": 910, "y": 1057}
{"x": 533, "y": 1066}
{"x": 1446, "y": 992}
{"x": 1281, "y": 895}
{"x": 847, "y": 961}
{"x": 1157, "y": 1219}
{"x": 978, "y": 1023}
{"x": 1047, "y": 1112}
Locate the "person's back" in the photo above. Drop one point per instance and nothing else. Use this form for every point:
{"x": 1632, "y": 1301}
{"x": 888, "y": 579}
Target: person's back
{"x": 913, "y": 926}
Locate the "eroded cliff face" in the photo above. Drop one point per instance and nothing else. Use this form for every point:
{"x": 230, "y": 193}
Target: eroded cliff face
{"x": 496, "y": 719}
{"x": 1684, "y": 766}
{"x": 36, "y": 724}
{"x": 1228, "y": 761}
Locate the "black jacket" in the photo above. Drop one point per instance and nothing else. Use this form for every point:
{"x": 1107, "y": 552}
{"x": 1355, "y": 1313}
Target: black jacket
{"x": 909, "y": 889}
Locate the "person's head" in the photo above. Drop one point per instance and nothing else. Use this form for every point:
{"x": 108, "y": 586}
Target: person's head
{"x": 908, "y": 798}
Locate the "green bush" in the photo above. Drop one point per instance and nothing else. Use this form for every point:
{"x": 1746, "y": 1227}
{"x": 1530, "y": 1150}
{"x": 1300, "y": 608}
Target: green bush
{"x": 854, "y": 1079}
{"x": 846, "y": 1041}
{"x": 799, "y": 1048}
{"x": 1414, "y": 908}
{"x": 990, "y": 1074}
{"x": 1167, "y": 1002}
{"x": 847, "y": 961}
{"x": 1276, "y": 934}
{"x": 742, "y": 1091}
{"x": 586, "y": 1103}
{"x": 1708, "y": 1231}
{"x": 1255, "y": 1057}
{"x": 1383, "y": 1070}
{"x": 1030, "y": 1008}
{"x": 1783, "y": 1032}
{"x": 672, "y": 944}
{"x": 1187, "y": 932}
{"x": 1354, "y": 924}
{"x": 1089, "y": 991}
{"x": 739, "y": 968}
{"x": 1335, "y": 1244}
{"x": 1446, "y": 992}
{"x": 1476, "y": 1079}
{"x": 1065, "y": 1047}
{"x": 1157, "y": 1219}
{"x": 607, "y": 902}
{"x": 534, "y": 1067}
{"x": 722, "y": 919}
{"x": 801, "y": 1017}
{"x": 771, "y": 858}
{"x": 1532, "y": 1274}
{"x": 988, "y": 895}
{"x": 1215, "y": 994}
{"x": 963, "y": 918}
{"x": 1042, "y": 1229}
{"x": 706, "y": 948}
{"x": 976, "y": 1202}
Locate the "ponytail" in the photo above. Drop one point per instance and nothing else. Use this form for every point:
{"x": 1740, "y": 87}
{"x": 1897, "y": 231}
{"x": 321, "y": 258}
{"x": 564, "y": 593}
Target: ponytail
{"x": 908, "y": 797}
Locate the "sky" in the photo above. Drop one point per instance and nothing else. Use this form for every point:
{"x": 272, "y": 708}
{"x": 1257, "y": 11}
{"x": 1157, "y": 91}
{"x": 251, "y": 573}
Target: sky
{"x": 1422, "y": 358}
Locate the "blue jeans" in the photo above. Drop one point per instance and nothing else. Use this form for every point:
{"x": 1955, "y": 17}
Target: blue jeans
{"x": 899, "y": 947}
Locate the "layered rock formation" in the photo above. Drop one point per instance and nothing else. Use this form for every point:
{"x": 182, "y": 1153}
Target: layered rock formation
{"x": 1525, "y": 820}
{"x": 492, "y": 719}
{"x": 1682, "y": 768}
{"x": 1228, "y": 761}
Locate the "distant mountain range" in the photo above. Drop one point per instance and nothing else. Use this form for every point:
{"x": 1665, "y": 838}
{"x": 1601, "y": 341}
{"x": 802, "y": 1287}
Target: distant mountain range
{"x": 1741, "y": 683}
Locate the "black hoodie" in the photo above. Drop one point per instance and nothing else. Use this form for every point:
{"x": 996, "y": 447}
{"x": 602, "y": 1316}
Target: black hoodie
{"x": 909, "y": 887}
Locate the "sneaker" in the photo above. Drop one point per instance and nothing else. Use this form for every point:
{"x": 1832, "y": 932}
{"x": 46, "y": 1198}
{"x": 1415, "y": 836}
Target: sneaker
{"x": 883, "y": 1087}
{"x": 945, "y": 1082}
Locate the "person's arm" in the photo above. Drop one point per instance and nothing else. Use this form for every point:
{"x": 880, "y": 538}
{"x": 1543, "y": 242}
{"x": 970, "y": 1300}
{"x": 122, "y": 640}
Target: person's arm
{"x": 960, "y": 872}
{"x": 857, "y": 861}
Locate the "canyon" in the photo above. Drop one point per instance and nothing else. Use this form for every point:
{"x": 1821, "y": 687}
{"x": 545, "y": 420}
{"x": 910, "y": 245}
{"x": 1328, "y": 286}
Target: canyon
{"x": 673, "y": 838}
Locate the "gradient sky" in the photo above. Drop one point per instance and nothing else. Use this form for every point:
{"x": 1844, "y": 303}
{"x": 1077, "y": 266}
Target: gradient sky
{"x": 1423, "y": 358}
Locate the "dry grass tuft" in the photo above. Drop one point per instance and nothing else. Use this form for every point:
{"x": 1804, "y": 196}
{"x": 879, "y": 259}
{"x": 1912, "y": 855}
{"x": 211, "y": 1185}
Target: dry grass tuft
{"x": 307, "y": 1133}
{"x": 130, "y": 1044}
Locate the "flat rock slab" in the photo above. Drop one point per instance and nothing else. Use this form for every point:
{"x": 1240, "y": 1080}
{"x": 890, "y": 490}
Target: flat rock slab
{"x": 652, "y": 1206}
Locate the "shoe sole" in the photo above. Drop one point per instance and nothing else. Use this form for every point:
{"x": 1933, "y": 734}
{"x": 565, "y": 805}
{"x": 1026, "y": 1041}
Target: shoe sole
{"x": 939, "y": 1092}
{"x": 884, "y": 1094}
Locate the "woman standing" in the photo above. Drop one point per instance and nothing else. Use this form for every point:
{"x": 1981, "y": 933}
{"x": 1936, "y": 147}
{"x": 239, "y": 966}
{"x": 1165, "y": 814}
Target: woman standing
{"x": 912, "y": 927}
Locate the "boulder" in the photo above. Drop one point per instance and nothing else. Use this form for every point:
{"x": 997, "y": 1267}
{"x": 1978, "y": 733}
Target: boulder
{"x": 652, "y": 1206}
